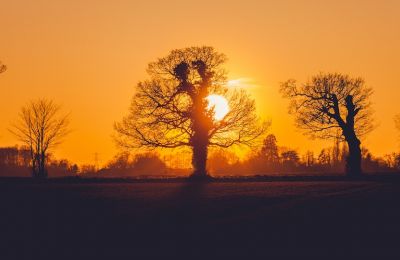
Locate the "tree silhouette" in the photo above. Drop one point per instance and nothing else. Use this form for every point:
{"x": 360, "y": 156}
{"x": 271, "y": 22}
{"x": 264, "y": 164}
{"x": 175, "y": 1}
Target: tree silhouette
{"x": 324, "y": 157}
{"x": 2, "y": 67}
{"x": 40, "y": 127}
{"x": 329, "y": 102}
{"x": 309, "y": 159}
{"x": 170, "y": 109}
{"x": 290, "y": 155}
{"x": 290, "y": 160}
{"x": 270, "y": 149}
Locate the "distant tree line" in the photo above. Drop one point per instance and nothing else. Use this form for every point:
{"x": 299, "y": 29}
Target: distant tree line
{"x": 274, "y": 159}
{"x": 16, "y": 162}
{"x": 269, "y": 159}
{"x": 125, "y": 164}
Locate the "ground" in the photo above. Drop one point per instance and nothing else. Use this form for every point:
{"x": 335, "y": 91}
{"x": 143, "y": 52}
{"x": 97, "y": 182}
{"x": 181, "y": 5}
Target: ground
{"x": 217, "y": 218}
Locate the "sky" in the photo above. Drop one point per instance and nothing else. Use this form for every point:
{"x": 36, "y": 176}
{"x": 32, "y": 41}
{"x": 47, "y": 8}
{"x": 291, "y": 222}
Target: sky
{"x": 88, "y": 55}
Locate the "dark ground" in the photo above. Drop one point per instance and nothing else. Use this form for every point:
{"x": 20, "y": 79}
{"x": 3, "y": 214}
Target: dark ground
{"x": 235, "y": 218}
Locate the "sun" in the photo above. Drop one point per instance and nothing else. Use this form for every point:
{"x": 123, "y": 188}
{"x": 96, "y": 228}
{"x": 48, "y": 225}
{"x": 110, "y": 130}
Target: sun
{"x": 220, "y": 105}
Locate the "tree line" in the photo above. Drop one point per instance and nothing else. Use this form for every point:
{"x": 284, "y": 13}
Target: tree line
{"x": 16, "y": 161}
{"x": 274, "y": 159}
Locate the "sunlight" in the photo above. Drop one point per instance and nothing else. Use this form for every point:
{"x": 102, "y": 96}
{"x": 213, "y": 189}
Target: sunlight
{"x": 233, "y": 83}
{"x": 241, "y": 83}
{"x": 220, "y": 105}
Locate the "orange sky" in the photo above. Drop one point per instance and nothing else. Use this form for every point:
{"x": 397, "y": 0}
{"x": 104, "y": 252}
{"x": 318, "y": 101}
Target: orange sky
{"x": 88, "y": 55}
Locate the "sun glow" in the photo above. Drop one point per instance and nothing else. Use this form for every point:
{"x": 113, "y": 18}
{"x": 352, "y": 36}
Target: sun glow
{"x": 220, "y": 106}
{"x": 233, "y": 83}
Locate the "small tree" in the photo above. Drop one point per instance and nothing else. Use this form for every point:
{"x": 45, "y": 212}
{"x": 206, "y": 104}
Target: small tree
{"x": 324, "y": 157}
{"x": 171, "y": 109}
{"x": 309, "y": 159}
{"x": 120, "y": 161}
{"x": 41, "y": 127}
{"x": 269, "y": 149}
{"x": 290, "y": 159}
{"x": 329, "y": 102}
{"x": 290, "y": 155}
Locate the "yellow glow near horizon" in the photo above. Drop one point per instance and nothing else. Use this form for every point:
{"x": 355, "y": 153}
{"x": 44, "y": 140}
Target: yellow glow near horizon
{"x": 220, "y": 105}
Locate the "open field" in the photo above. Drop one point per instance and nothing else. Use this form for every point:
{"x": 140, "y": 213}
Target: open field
{"x": 280, "y": 217}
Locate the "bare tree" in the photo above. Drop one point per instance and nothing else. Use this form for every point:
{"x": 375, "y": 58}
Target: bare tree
{"x": 2, "y": 67}
{"x": 170, "y": 109}
{"x": 329, "y": 102}
{"x": 40, "y": 126}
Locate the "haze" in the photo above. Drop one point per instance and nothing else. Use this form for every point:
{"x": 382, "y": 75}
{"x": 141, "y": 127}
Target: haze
{"x": 88, "y": 56}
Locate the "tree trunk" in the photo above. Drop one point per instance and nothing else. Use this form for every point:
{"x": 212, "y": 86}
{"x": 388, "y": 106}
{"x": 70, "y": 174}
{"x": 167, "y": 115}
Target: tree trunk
{"x": 34, "y": 170}
{"x": 42, "y": 173}
{"x": 199, "y": 157}
{"x": 353, "y": 163}
{"x": 202, "y": 122}
{"x": 35, "y": 166}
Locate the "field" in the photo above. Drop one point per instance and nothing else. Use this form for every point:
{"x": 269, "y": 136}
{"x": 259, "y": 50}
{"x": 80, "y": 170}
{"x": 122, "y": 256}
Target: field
{"x": 240, "y": 218}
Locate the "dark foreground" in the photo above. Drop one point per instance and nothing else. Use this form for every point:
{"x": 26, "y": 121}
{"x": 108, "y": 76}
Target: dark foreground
{"x": 192, "y": 219}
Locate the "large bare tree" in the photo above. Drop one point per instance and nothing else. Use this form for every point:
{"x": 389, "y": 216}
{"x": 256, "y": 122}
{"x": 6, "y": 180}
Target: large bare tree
{"x": 40, "y": 126}
{"x": 170, "y": 109}
{"x": 329, "y": 102}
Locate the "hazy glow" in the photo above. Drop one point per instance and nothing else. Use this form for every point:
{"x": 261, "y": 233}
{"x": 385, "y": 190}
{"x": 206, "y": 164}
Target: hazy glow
{"x": 220, "y": 105}
{"x": 233, "y": 83}
{"x": 242, "y": 83}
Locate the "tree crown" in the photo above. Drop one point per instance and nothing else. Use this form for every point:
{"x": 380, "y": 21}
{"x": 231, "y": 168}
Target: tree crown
{"x": 329, "y": 102}
{"x": 41, "y": 125}
{"x": 164, "y": 108}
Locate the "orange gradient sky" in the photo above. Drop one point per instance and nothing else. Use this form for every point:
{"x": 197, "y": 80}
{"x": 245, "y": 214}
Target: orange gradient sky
{"x": 88, "y": 55}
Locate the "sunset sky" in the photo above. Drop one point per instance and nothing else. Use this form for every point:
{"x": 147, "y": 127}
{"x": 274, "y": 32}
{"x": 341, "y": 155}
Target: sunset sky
{"x": 88, "y": 55}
